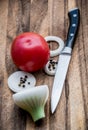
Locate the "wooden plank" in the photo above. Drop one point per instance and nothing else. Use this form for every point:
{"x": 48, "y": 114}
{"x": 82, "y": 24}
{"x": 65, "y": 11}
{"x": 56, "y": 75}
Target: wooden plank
{"x": 76, "y": 103}
{"x": 14, "y": 22}
{"x": 75, "y": 84}
{"x": 39, "y": 24}
{"x": 83, "y": 55}
{"x": 56, "y": 27}
{"x": 3, "y": 27}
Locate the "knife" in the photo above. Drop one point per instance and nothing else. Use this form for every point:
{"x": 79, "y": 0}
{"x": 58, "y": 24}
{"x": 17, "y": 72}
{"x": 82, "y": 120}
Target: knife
{"x": 65, "y": 56}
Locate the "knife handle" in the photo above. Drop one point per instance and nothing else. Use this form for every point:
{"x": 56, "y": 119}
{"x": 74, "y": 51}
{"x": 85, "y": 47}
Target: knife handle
{"x": 74, "y": 16}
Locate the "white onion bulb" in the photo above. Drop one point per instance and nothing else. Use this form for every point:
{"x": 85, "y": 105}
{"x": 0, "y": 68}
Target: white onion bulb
{"x": 33, "y": 100}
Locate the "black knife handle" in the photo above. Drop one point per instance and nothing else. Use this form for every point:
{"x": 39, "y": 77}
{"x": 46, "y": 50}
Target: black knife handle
{"x": 74, "y": 16}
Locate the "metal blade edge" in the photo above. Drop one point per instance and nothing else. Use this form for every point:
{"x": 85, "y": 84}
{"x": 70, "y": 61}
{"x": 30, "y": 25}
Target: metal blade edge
{"x": 60, "y": 76}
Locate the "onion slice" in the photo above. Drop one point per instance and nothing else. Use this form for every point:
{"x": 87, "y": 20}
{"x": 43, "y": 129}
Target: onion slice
{"x": 20, "y": 80}
{"x": 50, "y": 67}
{"x": 60, "y": 43}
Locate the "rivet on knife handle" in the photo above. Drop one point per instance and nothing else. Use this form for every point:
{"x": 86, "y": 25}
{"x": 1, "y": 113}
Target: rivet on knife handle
{"x": 74, "y": 21}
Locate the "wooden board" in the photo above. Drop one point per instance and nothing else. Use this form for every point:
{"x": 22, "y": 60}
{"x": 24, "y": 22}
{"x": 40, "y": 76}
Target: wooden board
{"x": 46, "y": 17}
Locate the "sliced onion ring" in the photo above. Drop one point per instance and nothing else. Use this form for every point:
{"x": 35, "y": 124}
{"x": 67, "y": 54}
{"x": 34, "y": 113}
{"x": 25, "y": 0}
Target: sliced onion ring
{"x": 59, "y": 41}
{"x": 47, "y": 69}
{"x": 15, "y": 81}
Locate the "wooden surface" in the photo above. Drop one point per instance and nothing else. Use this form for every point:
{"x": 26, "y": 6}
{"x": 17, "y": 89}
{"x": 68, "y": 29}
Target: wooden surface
{"x": 46, "y": 17}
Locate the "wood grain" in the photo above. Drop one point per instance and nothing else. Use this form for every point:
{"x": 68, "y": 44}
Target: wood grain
{"x": 46, "y": 17}
{"x": 72, "y": 4}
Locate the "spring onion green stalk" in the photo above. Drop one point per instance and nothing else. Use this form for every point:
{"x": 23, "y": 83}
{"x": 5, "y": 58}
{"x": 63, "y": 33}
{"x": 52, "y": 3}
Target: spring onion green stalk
{"x": 33, "y": 100}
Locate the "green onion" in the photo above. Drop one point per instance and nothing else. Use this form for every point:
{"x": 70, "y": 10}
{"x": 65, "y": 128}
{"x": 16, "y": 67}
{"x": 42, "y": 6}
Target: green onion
{"x": 33, "y": 100}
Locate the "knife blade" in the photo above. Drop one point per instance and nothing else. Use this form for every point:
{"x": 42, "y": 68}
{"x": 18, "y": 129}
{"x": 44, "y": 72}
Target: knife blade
{"x": 64, "y": 58}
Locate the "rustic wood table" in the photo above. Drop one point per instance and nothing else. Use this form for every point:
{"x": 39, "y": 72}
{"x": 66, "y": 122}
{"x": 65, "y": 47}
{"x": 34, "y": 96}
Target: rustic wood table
{"x": 46, "y": 17}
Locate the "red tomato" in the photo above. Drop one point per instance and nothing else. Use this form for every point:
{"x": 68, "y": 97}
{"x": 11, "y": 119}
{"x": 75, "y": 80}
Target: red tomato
{"x": 30, "y": 51}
